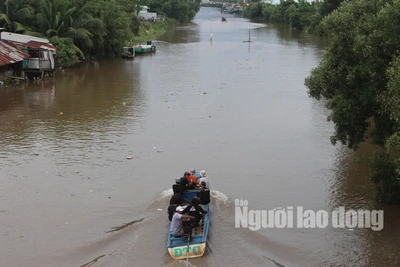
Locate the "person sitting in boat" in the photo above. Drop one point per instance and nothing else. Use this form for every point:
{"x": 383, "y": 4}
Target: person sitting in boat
{"x": 192, "y": 178}
{"x": 195, "y": 210}
{"x": 171, "y": 210}
{"x": 176, "y": 226}
{"x": 177, "y": 187}
{"x": 195, "y": 174}
{"x": 204, "y": 194}
{"x": 185, "y": 183}
{"x": 177, "y": 198}
{"x": 204, "y": 178}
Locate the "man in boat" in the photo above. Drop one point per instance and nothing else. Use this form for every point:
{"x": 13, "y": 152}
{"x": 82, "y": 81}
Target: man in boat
{"x": 195, "y": 174}
{"x": 195, "y": 210}
{"x": 171, "y": 211}
{"x": 185, "y": 183}
{"x": 177, "y": 198}
{"x": 192, "y": 178}
{"x": 176, "y": 227}
{"x": 176, "y": 187}
{"x": 204, "y": 194}
{"x": 204, "y": 178}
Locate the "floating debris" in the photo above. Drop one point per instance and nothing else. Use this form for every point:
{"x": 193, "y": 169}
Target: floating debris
{"x": 129, "y": 157}
{"x": 159, "y": 209}
{"x": 77, "y": 171}
{"x": 61, "y": 113}
{"x": 93, "y": 261}
{"x": 118, "y": 228}
{"x": 160, "y": 151}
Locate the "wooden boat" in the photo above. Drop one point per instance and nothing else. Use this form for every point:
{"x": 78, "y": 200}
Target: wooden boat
{"x": 128, "y": 52}
{"x": 194, "y": 244}
{"x": 147, "y": 48}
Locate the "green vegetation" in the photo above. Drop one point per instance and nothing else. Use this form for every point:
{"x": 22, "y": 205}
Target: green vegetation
{"x": 148, "y": 30}
{"x": 360, "y": 78}
{"x": 84, "y": 29}
{"x": 359, "y": 74}
{"x": 300, "y": 15}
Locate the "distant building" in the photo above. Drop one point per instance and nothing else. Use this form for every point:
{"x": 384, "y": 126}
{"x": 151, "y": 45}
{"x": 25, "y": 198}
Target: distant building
{"x": 144, "y": 13}
{"x": 273, "y": 2}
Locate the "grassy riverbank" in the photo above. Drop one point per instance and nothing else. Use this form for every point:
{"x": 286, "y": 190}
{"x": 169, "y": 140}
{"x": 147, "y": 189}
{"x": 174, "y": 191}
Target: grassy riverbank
{"x": 151, "y": 30}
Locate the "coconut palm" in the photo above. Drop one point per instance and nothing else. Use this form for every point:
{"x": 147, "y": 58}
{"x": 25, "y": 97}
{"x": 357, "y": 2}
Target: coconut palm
{"x": 67, "y": 19}
{"x": 14, "y": 14}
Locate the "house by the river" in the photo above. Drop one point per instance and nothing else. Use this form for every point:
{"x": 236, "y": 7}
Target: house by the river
{"x": 24, "y": 56}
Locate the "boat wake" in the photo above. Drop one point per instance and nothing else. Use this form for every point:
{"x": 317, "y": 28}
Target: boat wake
{"x": 219, "y": 196}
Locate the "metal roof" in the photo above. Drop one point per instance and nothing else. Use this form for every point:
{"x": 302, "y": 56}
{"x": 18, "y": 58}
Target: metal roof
{"x": 10, "y": 54}
{"x": 27, "y": 40}
{"x": 21, "y": 38}
{"x": 34, "y": 44}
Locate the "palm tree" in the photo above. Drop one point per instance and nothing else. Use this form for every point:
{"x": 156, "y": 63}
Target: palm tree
{"x": 14, "y": 14}
{"x": 66, "y": 19}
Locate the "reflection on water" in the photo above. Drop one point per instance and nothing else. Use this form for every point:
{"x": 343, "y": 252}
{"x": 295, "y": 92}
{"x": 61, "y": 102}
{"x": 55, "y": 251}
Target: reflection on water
{"x": 350, "y": 188}
{"x": 82, "y": 152}
{"x": 85, "y": 108}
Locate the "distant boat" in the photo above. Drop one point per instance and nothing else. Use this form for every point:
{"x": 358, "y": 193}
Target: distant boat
{"x": 194, "y": 244}
{"x": 147, "y": 48}
{"x": 128, "y": 52}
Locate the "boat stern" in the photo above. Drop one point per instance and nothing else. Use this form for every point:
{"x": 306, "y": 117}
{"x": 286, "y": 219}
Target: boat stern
{"x": 181, "y": 252}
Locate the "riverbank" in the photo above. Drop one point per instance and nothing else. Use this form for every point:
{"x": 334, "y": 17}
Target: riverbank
{"x": 153, "y": 29}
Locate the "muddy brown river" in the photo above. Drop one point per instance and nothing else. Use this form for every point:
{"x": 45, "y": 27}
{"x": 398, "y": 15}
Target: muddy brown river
{"x": 88, "y": 157}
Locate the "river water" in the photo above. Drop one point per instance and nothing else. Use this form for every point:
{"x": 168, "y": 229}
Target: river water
{"x": 71, "y": 197}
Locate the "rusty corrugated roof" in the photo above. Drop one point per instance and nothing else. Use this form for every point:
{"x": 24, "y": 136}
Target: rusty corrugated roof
{"x": 35, "y": 44}
{"x": 10, "y": 54}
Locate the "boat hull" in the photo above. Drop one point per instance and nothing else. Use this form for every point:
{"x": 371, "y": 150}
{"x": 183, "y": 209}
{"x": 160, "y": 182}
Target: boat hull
{"x": 180, "y": 247}
{"x": 127, "y": 56}
{"x": 181, "y": 252}
{"x": 141, "y": 49}
{"x": 128, "y": 53}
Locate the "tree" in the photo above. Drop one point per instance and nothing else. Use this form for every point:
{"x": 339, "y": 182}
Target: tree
{"x": 330, "y": 5}
{"x": 352, "y": 73}
{"x": 180, "y": 10}
{"x": 14, "y": 15}
{"x": 359, "y": 77}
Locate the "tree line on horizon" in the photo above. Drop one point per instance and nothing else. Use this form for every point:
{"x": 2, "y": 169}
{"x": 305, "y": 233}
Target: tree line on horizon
{"x": 83, "y": 29}
{"x": 301, "y": 15}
